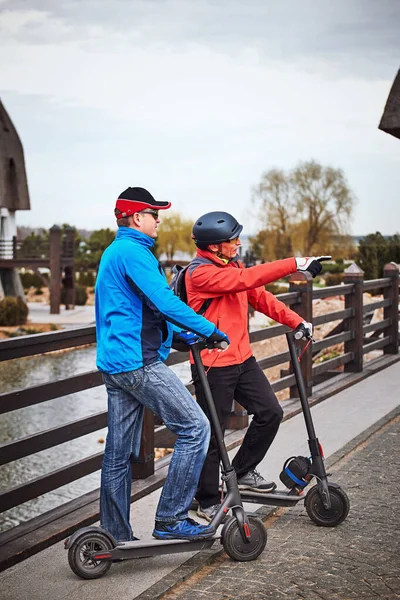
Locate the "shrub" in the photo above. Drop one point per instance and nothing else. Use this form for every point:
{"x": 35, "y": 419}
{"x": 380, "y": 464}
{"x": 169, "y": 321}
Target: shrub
{"x": 87, "y": 278}
{"x": 80, "y": 295}
{"x": 336, "y": 267}
{"x": 13, "y": 311}
{"x": 334, "y": 279}
{"x": 275, "y": 288}
{"x": 31, "y": 280}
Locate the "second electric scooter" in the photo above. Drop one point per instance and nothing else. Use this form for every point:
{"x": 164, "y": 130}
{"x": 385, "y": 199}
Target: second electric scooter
{"x": 326, "y": 503}
{"x": 91, "y": 550}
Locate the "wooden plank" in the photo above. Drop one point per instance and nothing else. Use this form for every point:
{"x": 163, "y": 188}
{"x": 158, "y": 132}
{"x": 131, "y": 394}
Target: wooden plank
{"x": 43, "y": 440}
{"x": 374, "y": 284}
{"x": 164, "y": 438}
{"x": 48, "y": 391}
{"x": 271, "y": 361}
{"x": 51, "y": 481}
{"x": 268, "y": 332}
{"x": 39, "y": 343}
{"x": 336, "y": 315}
{"x": 333, "y": 363}
{"x": 381, "y": 343}
{"x": 377, "y": 326}
{"x": 176, "y": 358}
{"x": 367, "y": 308}
{"x": 335, "y": 290}
{"x": 283, "y": 382}
{"x": 332, "y": 340}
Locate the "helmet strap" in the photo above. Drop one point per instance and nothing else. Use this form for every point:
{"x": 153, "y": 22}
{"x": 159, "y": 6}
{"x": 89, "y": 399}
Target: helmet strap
{"x": 221, "y": 256}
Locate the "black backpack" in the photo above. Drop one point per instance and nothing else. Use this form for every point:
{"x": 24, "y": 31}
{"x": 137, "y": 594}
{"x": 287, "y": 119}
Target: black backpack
{"x": 178, "y": 286}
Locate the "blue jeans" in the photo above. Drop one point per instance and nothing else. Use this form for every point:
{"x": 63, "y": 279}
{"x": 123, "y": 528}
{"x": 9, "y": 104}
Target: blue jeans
{"x": 159, "y": 389}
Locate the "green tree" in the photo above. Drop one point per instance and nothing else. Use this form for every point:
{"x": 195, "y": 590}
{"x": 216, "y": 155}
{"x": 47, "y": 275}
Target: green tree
{"x": 35, "y": 245}
{"x": 375, "y": 251}
{"x": 90, "y": 251}
{"x": 175, "y": 234}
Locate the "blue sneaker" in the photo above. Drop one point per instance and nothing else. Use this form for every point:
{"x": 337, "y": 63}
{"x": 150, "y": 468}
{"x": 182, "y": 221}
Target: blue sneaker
{"x": 187, "y": 529}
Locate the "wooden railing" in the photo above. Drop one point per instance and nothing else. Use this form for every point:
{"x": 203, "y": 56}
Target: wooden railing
{"x": 351, "y": 331}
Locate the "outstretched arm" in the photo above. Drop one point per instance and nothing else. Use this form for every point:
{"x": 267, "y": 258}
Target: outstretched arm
{"x": 215, "y": 281}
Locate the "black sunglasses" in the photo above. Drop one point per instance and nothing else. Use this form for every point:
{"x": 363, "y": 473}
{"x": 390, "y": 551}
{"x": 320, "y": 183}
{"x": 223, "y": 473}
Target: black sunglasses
{"x": 153, "y": 213}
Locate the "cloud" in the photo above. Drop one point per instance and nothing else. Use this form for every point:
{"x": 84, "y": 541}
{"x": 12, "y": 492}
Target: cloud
{"x": 195, "y": 100}
{"x": 354, "y": 36}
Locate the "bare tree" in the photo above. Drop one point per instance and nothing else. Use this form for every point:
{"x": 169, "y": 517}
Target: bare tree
{"x": 324, "y": 203}
{"x": 277, "y": 209}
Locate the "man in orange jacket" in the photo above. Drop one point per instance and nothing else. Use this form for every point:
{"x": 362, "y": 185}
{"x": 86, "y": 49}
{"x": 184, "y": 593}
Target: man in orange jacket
{"x": 219, "y": 287}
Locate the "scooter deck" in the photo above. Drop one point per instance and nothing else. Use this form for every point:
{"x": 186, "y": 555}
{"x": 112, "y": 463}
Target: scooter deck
{"x": 275, "y": 498}
{"x": 153, "y": 547}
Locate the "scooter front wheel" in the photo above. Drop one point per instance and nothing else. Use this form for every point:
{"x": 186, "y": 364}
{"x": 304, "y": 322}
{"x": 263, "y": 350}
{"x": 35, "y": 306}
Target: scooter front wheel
{"x": 234, "y": 545}
{"x": 79, "y": 555}
{"x": 340, "y": 506}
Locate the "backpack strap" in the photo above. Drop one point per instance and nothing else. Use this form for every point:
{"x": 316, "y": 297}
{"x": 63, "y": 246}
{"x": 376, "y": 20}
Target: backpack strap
{"x": 197, "y": 262}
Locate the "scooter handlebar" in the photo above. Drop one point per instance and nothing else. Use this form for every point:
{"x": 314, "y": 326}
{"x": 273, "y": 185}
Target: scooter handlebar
{"x": 300, "y": 335}
{"x": 202, "y": 344}
{"x": 220, "y": 345}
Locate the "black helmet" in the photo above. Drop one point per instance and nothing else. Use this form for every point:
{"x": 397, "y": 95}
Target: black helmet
{"x": 215, "y": 228}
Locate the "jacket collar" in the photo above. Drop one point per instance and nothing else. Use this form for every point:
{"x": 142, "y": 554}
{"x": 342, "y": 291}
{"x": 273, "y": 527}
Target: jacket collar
{"x": 211, "y": 256}
{"x": 134, "y": 234}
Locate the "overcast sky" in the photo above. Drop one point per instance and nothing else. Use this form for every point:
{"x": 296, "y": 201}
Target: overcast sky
{"x": 195, "y": 99}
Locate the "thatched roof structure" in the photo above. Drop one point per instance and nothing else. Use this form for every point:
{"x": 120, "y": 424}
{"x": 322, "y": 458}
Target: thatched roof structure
{"x": 14, "y": 193}
{"x": 390, "y": 121}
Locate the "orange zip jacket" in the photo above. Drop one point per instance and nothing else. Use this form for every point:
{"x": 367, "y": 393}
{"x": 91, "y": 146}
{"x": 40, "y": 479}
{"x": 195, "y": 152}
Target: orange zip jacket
{"x": 232, "y": 288}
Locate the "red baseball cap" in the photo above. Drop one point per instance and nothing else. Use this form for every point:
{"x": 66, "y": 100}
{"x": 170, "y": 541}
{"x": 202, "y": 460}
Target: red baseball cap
{"x": 135, "y": 199}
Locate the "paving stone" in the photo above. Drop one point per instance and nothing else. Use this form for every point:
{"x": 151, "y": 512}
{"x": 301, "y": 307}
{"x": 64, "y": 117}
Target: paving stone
{"x": 359, "y": 559}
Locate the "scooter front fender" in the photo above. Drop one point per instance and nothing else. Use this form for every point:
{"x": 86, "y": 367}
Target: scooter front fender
{"x": 93, "y": 529}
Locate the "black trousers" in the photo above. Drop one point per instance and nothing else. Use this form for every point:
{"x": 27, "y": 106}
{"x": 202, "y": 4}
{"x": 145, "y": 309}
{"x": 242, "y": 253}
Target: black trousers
{"x": 247, "y": 384}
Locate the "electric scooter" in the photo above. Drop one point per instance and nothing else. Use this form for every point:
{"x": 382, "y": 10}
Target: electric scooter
{"x": 91, "y": 550}
{"x": 326, "y": 503}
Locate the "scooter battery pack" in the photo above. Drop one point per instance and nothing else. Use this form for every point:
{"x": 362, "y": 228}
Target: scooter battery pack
{"x": 295, "y": 471}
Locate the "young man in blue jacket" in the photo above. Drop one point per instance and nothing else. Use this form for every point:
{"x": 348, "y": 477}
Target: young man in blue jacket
{"x": 137, "y": 315}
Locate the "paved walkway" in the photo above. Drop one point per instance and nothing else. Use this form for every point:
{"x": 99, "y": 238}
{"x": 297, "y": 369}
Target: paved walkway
{"x": 359, "y": 559}
{"x": 39, "y": 312}
{"x": 338, "y": 420}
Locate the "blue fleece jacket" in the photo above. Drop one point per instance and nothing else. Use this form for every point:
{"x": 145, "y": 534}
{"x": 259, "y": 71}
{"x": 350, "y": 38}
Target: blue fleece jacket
{"x": 136, "y": 311}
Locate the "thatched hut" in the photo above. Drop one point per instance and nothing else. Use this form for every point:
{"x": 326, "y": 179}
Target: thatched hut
{"x": 390, "y": 121}
{"x": 14, "y": 196}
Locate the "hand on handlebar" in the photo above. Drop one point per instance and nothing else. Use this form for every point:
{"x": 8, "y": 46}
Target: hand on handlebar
{"x": 187, "y": 337}
{"x": 312, "y": 264}
{"x": 304, "y": 331}
{"x": 218, "y": 339}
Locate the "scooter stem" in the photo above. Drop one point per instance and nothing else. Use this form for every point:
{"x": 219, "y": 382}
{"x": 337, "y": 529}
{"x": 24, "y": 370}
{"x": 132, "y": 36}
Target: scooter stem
{"x": 219, "y": 436}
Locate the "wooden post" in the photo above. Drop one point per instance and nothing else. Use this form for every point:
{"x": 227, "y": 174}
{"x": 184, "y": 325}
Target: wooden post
{"x": 14, "y": 246}
{"x": 55, "y": 269}
{"x": 392, "y": 312}
{"x": 144, "y": 466}
{"x": 70, "y": 253}
{"x": 239, "y": 418}
{"x": 353, "y": 274}
{"x": 302, "y": 282}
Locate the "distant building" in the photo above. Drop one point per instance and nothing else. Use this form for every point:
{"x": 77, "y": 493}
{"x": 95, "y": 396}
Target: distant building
{"x": 390, "y": 121}
{"x": 14, "y": 196}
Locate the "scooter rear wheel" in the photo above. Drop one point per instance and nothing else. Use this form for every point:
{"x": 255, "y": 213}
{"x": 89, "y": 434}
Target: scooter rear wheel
{"x": 340, "y": 506}
{"x": 234, "y": 545}
{"x": 79, "y": 555}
